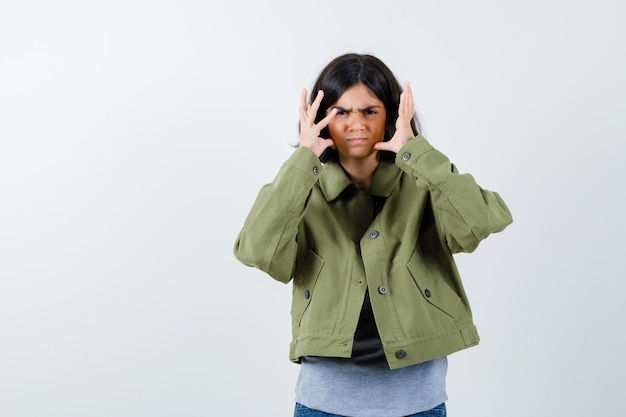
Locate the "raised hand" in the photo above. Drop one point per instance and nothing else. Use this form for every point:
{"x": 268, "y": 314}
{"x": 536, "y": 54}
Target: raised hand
{"x": 309, "y": 130}
{"x": 404, "y": 132}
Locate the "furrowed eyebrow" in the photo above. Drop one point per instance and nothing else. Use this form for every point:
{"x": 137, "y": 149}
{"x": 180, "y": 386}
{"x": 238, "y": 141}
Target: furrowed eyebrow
{"x": 373, "y": 107}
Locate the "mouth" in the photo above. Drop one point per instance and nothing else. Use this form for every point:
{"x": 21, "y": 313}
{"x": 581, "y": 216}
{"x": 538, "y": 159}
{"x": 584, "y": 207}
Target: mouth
{"x": 356, "y": 141}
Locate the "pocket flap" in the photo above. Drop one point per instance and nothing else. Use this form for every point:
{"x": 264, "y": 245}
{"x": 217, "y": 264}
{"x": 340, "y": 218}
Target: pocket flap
{"x": 432, "y": 287}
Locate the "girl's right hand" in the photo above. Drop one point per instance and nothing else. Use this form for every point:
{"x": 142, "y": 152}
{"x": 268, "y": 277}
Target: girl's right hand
{"x": 309, "y": 130}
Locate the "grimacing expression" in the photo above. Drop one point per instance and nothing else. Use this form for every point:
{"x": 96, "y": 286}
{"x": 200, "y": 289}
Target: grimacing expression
{"x": 360, "y": 123}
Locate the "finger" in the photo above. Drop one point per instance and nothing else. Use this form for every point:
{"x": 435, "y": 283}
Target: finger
{"x": 382, "y": 146}
{"x": 409, "y": 99}
{"x": 312, "y": 112}
{"x": 402, "y": 104}
{"x": 326, "y": 120}
{"x": 329, "y": 143}
{"x": 406, "y": 106}
{"x": 303, "y": 105}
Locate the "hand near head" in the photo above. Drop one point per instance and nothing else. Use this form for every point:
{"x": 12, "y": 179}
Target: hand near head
{"x": 404, "y": 132}
{"x": 309, "y": 130}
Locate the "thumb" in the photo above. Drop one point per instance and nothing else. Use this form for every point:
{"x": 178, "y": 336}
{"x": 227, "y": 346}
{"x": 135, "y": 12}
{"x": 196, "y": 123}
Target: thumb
{"x": 392, "y": 145}
{"x": 383, "y": 146}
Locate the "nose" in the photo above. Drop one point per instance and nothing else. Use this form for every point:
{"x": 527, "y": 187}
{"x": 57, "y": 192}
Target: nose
{"x": 356, "y": 121}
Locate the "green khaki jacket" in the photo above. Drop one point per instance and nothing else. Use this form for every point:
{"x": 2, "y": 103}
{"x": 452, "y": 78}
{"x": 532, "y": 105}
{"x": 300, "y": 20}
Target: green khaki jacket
{"x": 312, "y": 225}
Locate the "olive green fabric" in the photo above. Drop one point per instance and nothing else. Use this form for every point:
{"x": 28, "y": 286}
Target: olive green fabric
{"x": 308, "y": 226}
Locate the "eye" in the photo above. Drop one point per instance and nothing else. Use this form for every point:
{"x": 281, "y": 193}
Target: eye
{"x": 341, "y": 112}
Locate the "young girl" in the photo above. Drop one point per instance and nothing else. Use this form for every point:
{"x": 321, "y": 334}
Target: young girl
{"x": 364, "y": 218}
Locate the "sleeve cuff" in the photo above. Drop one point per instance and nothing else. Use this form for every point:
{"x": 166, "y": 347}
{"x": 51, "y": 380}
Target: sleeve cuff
{"x": 305, "y": 161}
{"x": 412, "y": 151}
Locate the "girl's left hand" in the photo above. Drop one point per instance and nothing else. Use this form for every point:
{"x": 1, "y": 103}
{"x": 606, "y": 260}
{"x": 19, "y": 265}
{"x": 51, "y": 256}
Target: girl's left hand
{"x": 404, "y": 132}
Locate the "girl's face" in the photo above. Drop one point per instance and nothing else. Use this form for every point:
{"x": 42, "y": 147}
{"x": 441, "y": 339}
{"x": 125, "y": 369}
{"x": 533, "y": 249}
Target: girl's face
{"x": 359, "y": 123}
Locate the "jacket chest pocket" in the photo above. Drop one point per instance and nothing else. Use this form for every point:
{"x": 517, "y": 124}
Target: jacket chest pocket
{"x": 304, "y": 286}
{"x": 427, "y": 275}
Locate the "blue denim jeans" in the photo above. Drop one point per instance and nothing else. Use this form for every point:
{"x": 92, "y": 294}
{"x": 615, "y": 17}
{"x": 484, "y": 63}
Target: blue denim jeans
{"x": 304, "y": 411}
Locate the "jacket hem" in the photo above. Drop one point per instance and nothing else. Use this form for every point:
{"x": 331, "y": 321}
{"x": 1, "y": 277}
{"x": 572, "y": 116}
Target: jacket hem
{"x": 399, "y": 355}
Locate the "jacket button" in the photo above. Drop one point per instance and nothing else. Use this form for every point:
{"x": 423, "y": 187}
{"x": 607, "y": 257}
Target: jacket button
{"x": 316, "y": 170}
{"x": 307, "y": 294}
{"x": 401, "y": 354}
{"x": 382, "y": 289}
{"x": 406, "y": 156}
{"x": 427, "y": 293}
{"x": 374, "y": 234}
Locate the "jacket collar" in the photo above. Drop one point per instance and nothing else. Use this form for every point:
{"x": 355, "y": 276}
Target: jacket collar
{"x": 334, "y": 179}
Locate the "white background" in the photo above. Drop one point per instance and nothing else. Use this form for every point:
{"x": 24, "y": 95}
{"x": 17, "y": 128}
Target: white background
{"x": 134, "y": 136}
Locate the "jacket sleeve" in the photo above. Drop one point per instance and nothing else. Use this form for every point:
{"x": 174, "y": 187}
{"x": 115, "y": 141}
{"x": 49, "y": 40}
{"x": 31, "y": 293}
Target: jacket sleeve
{"x": 466, "y": 213}
{"x": 267, "y": 240}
